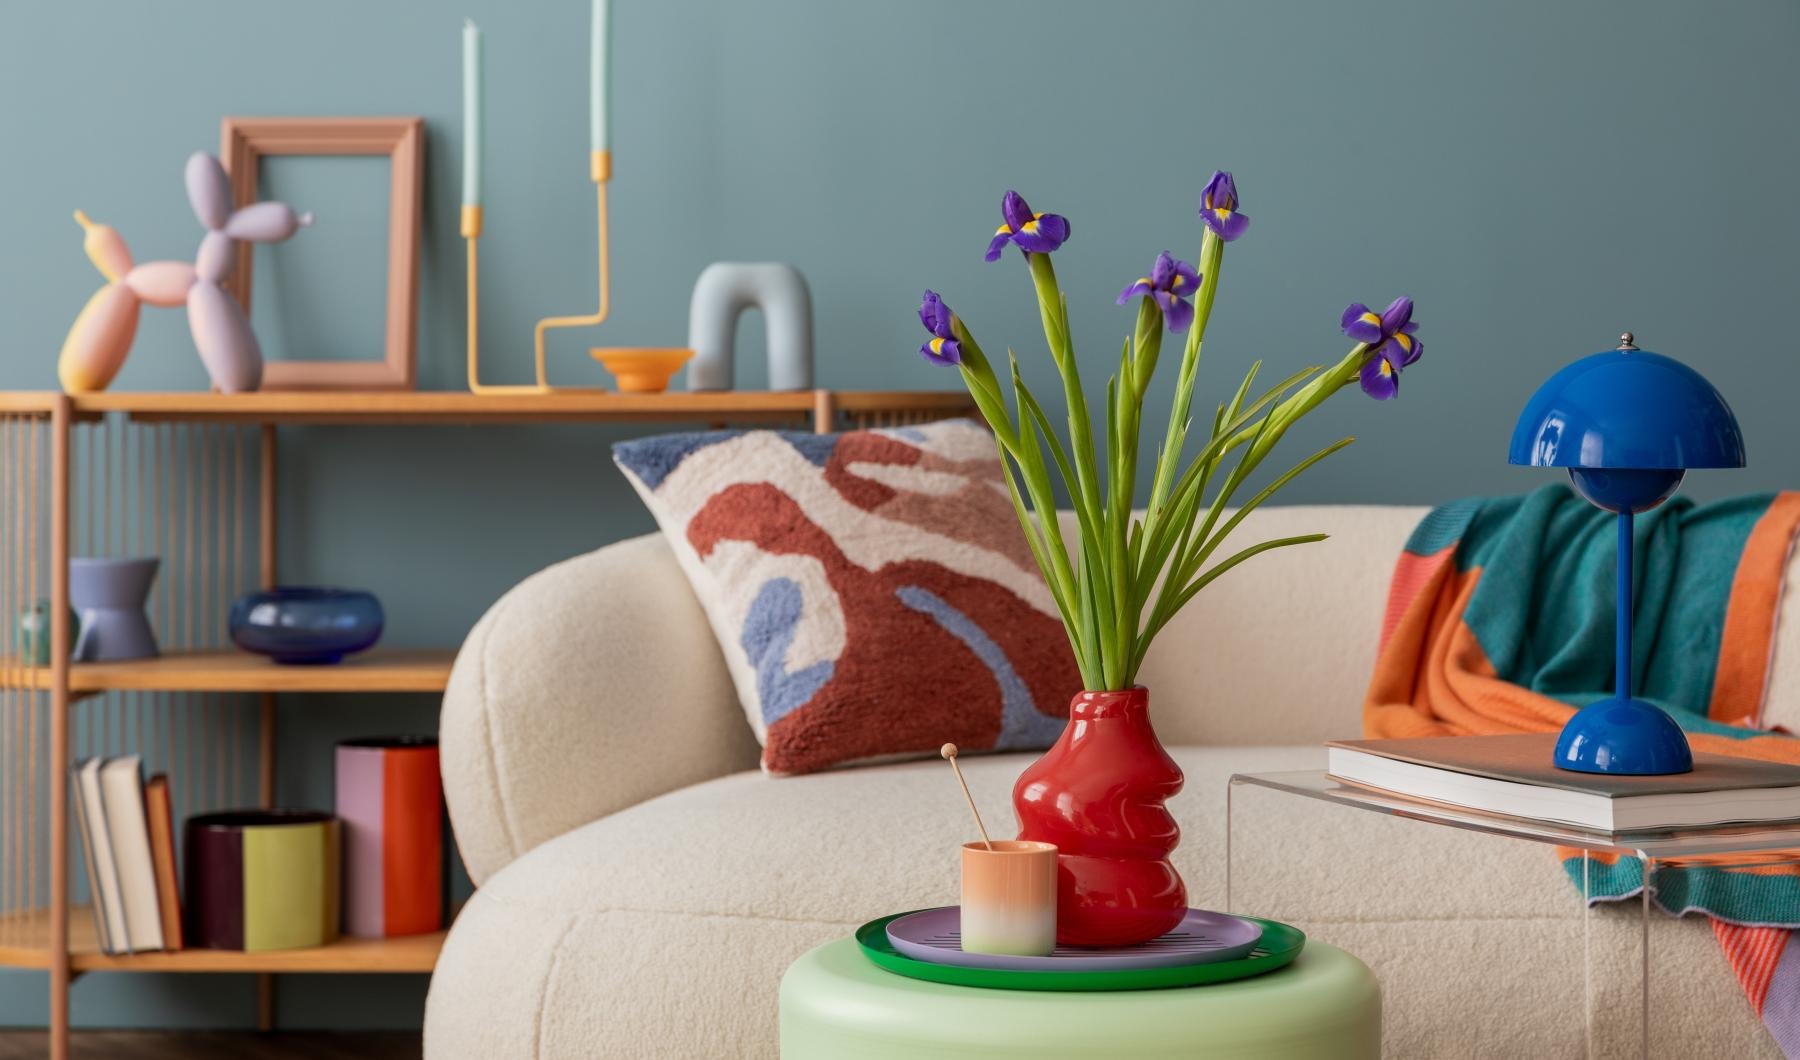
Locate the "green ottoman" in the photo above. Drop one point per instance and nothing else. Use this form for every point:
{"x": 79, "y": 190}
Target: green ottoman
{"x": 835, "y": 1005}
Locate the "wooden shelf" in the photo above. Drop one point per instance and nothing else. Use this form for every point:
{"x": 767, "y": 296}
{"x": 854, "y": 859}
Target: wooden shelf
{"x": 378, "y": 670}
{"x": 462, "y": 407}
{"x": 25, "y": 943}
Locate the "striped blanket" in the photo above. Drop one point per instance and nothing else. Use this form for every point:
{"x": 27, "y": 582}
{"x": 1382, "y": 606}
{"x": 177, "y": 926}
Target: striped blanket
{"x": 1500, "y": 620}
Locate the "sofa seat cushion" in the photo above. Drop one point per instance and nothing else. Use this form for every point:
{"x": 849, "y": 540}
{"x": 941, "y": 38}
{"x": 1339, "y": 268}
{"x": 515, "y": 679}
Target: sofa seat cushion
{"x": 664, "y": 929}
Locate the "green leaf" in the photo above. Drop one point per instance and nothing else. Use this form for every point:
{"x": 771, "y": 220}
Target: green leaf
{"x": 1187, "y": 594}
{"x": 1264, "y": 494}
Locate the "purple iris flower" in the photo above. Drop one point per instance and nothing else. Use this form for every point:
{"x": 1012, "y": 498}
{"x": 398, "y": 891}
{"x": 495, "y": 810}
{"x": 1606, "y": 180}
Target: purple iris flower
{"x": 941, "y": 349}
{"x": 1170, "y": 284}
{"x": 1218, "y": 207}
{"x": 1035, "y": 233}
{"x": 1393, "y": 334}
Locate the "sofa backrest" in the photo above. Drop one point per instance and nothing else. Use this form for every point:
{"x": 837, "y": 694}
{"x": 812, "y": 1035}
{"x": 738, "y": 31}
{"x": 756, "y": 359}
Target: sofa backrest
{"x": 1279, "y": 650}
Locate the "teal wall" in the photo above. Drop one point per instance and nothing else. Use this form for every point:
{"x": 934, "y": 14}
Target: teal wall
{"x": 1538, "y": 175}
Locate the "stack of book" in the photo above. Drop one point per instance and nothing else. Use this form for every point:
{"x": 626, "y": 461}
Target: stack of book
{"x": 128, "y": 843}
{"x": 1516, "y": 776}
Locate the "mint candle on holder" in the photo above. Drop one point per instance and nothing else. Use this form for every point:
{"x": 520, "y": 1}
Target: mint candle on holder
{"x": 472, "y": 97}
{"x": 599, "y": 103}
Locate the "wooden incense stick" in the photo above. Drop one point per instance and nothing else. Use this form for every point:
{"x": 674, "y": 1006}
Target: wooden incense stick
{"x": 949, "y": 753}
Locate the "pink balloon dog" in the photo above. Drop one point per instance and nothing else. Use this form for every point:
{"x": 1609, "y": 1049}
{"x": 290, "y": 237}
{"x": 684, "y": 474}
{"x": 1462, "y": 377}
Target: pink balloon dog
{"x": 101, "y": 336}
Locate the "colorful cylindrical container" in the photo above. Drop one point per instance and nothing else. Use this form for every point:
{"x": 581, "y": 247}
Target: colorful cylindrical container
{"x": 1009, "y": 897}
{"x": 391, "y": 801}
{"x": 262, "y": 879}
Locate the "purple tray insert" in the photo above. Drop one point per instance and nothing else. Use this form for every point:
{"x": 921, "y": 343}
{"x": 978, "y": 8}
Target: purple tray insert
{"x": 1202, "y": 937}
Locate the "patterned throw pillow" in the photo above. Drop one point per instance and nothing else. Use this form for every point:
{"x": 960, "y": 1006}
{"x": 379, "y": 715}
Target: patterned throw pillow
{"x": 872, "y": 591}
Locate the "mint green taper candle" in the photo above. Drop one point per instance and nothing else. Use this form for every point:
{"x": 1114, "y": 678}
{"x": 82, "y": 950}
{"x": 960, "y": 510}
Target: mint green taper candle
{"x": 472, "y": 97}
{"x": 599, "y": 116}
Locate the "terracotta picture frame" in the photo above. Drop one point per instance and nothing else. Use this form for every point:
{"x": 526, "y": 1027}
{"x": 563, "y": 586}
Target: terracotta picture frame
{"x": 244, "y": 142}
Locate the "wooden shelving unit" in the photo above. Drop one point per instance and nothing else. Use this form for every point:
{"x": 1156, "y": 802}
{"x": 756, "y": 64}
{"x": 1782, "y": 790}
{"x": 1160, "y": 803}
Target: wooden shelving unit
{"x": 377, "y": 670}
{"x": 28, "y": 946}
{"x": 811, "y": 408}
{"x": 192, "y": 477}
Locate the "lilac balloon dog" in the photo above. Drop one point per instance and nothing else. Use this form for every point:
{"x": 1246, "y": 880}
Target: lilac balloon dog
{"x": 101, "y": 336}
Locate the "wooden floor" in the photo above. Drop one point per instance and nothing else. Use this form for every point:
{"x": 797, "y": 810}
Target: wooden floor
{"x": 218, "y": 1045}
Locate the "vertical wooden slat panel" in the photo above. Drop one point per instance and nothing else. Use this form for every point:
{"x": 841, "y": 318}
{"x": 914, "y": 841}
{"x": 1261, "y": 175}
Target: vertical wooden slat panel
{"x": 59, "y": 731}
{"x": 13, "y": 705}
{"x": 267, "y": 497}
{"x": 187, "y": 539}
{"x": 238, "y": 583}
{"x": 199, "y": 583}
{"x": 161, "y": 453}
{"x": 18, "y": 703}
{"x": 32, "y": 699}
{"x": 266, "y": 502}
{"x": 102, "y": 472}
{"x": 11, "y": 821}
{"x": 140, "y": 443}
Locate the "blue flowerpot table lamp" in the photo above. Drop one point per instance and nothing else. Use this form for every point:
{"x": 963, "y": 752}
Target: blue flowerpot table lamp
{"x": 1628, "y": 424}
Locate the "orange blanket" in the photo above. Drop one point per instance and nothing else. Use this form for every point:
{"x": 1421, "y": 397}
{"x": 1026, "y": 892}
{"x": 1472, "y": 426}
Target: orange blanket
{"x": 1498, "y": 621}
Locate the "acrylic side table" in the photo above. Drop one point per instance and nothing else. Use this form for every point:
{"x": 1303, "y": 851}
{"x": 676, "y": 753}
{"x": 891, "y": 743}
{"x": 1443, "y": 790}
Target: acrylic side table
{"x": 836, "y": 1005}
{"x": 1777, "y": 845}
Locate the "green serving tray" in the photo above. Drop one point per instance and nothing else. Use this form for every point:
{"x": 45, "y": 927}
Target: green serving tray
{"x": 1279, "y": 945}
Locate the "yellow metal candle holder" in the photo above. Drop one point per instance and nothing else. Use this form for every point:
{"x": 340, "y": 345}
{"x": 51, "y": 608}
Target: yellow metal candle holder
{"x": 600, "y": 170}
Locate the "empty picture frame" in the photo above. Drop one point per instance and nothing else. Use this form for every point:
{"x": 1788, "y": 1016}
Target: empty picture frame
{"x": 244, "y": 142}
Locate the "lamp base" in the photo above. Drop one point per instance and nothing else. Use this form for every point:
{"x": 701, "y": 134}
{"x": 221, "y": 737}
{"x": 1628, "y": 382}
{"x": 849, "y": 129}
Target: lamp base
{"x": 1623, "y": 737}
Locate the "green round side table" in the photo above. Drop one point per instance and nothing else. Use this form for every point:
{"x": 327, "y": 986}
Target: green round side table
{"x": 836, "y": 1005}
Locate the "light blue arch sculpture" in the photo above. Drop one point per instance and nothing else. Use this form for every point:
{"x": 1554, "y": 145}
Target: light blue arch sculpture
{"x": 724, "y": 290}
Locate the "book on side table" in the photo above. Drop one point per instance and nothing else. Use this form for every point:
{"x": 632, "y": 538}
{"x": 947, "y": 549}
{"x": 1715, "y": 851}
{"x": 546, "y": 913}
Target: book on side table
{"x": 1514, "y": 776}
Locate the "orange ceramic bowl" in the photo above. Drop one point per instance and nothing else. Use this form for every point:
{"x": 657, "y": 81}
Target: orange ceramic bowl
{"x": 644, "y": 370}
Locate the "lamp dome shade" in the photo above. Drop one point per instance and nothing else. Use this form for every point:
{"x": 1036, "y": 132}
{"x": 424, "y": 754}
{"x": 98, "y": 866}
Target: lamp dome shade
{"x": 1627, "y": 408}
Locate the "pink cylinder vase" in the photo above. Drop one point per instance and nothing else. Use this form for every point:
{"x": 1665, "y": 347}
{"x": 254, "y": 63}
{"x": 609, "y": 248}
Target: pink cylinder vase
{"x": 390, "y": 799}
{"x": 1098, "y": 795}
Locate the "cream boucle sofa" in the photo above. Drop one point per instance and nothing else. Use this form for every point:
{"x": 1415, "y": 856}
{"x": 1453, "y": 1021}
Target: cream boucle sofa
{"x": 642, "y": 886}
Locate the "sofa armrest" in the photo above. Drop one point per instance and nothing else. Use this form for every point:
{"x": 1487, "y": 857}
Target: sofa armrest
{"x": 589, "y": 687}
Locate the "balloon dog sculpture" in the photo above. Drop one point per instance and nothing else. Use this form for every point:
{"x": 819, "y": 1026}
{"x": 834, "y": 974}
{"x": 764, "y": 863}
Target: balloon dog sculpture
{"x": 101, "y": 336}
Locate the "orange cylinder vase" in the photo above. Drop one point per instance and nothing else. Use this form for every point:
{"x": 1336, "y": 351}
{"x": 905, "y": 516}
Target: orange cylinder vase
{"x": 1098, "y": 795}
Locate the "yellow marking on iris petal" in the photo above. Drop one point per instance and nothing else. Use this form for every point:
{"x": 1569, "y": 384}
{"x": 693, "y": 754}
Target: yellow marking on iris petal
{"x": 1029, "y": 227}
{"x": 1405, "y": 342}
{"x": 1003, "y": 231}
{"x": 1387, "y": 367}
{"x": 1177, "y": 281}
{"x": 937, "y": 347}
{"x": 1371, "y": 318}
{"x": 1223, "y": 213}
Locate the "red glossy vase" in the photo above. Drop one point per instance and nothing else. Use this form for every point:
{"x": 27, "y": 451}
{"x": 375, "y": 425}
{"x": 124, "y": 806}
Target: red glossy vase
{"x": 1098, "y": 795}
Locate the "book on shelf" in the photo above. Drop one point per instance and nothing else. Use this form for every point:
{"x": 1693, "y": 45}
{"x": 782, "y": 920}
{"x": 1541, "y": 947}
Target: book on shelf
{"x": 160, "y": 810}
{"x": 103, "y": 881}
{"x": 128, "y": 829}
{"x": 127, "y": 843}
{"x": 1515, "y": 776}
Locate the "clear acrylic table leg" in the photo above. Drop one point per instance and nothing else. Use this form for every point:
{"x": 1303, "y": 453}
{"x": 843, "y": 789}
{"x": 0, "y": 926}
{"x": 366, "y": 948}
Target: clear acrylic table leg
{"x": 1648, "y": 865}
{"x": 1230, "y": 789}
{"x": 1646, "y": 909}
{"x": 1587, "y": 953}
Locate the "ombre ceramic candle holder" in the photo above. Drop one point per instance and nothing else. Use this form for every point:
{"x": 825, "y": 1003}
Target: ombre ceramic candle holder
{"x": 1009, "y": 898}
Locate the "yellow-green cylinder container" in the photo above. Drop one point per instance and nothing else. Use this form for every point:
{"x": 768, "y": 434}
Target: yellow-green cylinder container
{"x": 263, "y": 879}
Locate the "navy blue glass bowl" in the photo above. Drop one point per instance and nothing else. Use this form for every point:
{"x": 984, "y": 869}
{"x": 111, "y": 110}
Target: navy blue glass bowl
{"x": 306, "y": 625}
